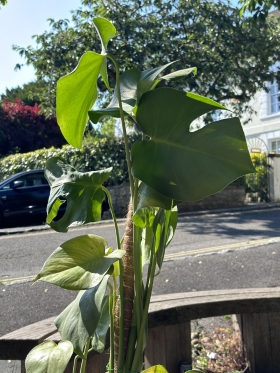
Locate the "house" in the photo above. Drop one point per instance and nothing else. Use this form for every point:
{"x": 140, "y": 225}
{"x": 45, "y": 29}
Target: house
{"x": 263, "y": 131}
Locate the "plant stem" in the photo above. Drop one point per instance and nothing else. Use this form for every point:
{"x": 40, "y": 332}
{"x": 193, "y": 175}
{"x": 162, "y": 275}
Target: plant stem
{"x": 84, "y": 360}
{"x": 121, "y": 301}
{"x": 137, "y": 263}
{"x": 75, "y": 364}
{"x": 127, "y": 151}
{"x": 111, "y": 309}
{"x": 139, "y": 347}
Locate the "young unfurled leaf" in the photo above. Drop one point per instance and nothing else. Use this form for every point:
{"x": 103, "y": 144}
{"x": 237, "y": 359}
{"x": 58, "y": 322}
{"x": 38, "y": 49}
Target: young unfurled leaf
{"x": 180, "y": 74}
{"x": 155, "y": 369}
{"x": 164, "y": 227}
{"x": 80, "y": 319}
{"x": 158, "y": 228}
{"x": 184, "y": 165}
{"x": 82, "y": 191}
{"x": 106, "y": 31}
{"x": 49, "y": 357}
{"x": 79, "y": 263}
{"x": 150, "y": 197}
{"x": 130, "y": 92}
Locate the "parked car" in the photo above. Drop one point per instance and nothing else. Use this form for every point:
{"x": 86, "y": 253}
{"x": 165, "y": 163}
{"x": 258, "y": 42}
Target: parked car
{"x": 24, "y": 195}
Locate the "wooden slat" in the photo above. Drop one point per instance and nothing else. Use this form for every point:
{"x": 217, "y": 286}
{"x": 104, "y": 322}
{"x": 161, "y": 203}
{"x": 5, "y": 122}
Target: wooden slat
{"x": 178, "y": 308}
{"x": 164, "y": 311}
{"x": 16, "y": 345}
{"x": 261, "y": 339}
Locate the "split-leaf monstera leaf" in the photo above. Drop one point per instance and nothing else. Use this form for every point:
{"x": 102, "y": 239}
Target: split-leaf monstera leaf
{"x": 184, "y": 165}
{"x": 82, "y": 191}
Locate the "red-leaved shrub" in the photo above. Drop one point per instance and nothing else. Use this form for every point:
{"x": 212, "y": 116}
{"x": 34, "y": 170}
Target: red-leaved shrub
{"x": 24, "y": 129}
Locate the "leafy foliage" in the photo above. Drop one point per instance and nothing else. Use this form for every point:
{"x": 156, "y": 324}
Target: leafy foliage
{"x": 100, "y": 153}
{"x": 260, "y": 8}
{"x": 30, "y": 93}
{"x": 166, "y": 162}
{"x": 23, "y": 128}
{"x": 257, "y": 182}
{"x": 233, "y": 59}
{"x": 49, "y": 357}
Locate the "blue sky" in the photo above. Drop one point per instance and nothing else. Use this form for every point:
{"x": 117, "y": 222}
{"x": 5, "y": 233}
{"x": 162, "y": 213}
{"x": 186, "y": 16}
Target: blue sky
{"x": 19, "y": 20}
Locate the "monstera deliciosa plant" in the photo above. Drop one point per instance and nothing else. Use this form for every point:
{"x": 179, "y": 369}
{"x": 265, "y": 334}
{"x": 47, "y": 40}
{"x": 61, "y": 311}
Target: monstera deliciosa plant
{"x": 170, "y": 164}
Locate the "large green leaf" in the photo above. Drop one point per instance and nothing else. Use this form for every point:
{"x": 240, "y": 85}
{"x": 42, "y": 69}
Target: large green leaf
{"x": 129, "y": 85}
{"x": 99, "y": 337}
{"x": 80, "y": 319}
{"x": 76, "y": 94}
{"x": 79, "y": 263}
{"x": 49, "y": 357}
{"x": 82, "y": 191}
{"x": 184, "y": 165}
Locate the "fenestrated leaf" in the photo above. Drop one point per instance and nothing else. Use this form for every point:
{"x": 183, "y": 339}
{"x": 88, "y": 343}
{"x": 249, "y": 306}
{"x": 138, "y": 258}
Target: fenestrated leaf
{"x": 76, "y": 94}
{"x": 49, "y": 357}
{"x": 79, "y": 320}
{"x": 184, "y": 165}
{"x": 79, "y": 263}
{"x": 128, "y": 86}
{"x": 99, "y": 336}
{"x": 82, "y": 190}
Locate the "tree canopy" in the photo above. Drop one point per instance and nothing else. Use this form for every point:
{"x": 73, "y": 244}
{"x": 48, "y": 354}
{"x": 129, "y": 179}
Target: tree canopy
{"x": 259, "y": 8}
{"x": 233, "y": 59}
{"x": 29, "y": 93}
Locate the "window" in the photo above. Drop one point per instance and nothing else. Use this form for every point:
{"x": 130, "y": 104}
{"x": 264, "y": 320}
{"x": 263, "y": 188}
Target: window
{"x": 275, "y": 146}
{"x": 32, "y": 179}
{"x": 274, "y": 98}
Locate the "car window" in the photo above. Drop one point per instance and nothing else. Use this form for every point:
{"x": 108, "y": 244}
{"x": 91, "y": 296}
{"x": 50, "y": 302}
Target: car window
{"x": 33, "y": 179}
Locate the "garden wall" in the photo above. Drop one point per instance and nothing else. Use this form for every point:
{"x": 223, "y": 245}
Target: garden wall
{"x": 231, "y": 196}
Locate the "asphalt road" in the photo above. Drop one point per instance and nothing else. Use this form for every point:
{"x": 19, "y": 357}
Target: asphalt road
{"x": 217, "y": 251}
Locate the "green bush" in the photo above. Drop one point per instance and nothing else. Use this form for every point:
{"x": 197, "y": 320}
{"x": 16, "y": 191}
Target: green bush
{"x": 101, "y": 153}
{"x": 257, "y": 182}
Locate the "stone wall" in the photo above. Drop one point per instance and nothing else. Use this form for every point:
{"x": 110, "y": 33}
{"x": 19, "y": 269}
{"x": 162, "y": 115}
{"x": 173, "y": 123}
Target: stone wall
{"x": 231, "y": 196}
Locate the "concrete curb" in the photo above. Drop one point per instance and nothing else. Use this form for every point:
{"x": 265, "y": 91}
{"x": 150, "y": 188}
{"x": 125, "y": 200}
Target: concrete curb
{"x": 248, "y": 207}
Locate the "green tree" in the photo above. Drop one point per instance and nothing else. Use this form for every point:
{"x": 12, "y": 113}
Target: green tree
{"x": 233, "y": 59}
{"x": 259, "y": 8}
{"x": 29, "y": 93}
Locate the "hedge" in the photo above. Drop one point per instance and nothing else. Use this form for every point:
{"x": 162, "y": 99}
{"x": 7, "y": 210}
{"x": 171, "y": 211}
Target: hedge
{"x": 102, "y": 153}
